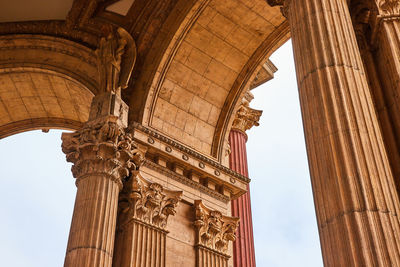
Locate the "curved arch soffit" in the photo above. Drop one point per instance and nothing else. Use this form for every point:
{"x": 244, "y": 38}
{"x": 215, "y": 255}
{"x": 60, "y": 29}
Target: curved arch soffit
{"x": 35, "y": 98}
{"x": 158, "y": 76}
{"x": 256, "y": 56}
{"x": 242, "y": 83}
{"x": 50, "y": 53}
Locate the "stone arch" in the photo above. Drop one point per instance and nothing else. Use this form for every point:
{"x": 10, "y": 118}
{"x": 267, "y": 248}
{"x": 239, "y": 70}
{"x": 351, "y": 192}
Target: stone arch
{"x": 34, "y": 98}
{"x": 50, "y": 53}
{"x": 45, "y": 82}
{"x": 220, "y": 47}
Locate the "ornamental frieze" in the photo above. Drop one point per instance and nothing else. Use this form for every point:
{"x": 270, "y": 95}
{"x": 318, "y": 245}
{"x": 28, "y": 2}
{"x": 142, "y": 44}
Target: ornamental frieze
{"x": 146, "y": 202}
{"x": 214, "y": 230}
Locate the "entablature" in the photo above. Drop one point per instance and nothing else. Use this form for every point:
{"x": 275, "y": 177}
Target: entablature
{"x": 188, "y": 166}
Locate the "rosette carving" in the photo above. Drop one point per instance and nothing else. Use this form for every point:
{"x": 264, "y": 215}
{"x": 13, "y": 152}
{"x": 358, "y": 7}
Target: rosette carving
{"x": 102, "y": 147}
{"x": 147, "y": 202}
{"x": 214, "y": 230}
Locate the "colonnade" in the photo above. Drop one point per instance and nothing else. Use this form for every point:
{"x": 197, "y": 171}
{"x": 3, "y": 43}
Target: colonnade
{"x": 348, "y": 77}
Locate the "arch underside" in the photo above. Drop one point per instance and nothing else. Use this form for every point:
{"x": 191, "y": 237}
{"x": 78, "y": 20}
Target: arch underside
{"x": 196, "y": 59}
{"x": 32, "y": 98}
{"x": 210, "y": 62}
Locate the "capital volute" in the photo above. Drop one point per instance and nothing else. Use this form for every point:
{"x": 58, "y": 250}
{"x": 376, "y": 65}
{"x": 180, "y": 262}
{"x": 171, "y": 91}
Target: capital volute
{"x": 214, "y": 230}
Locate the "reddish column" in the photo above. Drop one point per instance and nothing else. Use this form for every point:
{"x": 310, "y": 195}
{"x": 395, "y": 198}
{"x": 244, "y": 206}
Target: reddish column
{"x": 243, "y": 247}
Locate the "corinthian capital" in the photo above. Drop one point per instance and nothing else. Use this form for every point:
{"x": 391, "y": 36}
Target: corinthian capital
{"x": 101, "y": 147}
{"x": 147, "y": 202}
{"x": 389, "y": 7}
{"x": 246, "y": 117}
{"x": 214, "y": 230}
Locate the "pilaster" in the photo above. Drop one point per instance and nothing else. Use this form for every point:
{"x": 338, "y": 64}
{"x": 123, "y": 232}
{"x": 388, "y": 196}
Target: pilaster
{"x": 354, "y": 192}
{"x": 144, "y": 208}
{"x": 214, "y": 232}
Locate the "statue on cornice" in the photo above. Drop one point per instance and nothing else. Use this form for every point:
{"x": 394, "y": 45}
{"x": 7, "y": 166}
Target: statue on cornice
{"x": 116, "y": 57}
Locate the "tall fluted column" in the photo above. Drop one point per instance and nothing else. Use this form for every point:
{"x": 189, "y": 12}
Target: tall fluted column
{"x": 386, "y": 42}
{"x": 355, "y": 198}
{"x": 243, "y": 247}
{"x": 384, "y": 101}
{"x": 102, "y": 155}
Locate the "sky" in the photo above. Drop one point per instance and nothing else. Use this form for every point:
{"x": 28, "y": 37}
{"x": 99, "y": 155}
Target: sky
{"x": 37, "y": 190}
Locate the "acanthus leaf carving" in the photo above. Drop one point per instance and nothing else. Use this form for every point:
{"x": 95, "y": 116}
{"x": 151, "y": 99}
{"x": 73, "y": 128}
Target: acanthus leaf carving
{"x": 147, "y": 202}
{"x": 214, "y": 230}
{"x": 102, "y": 146}
{"x": 246, "y": 117}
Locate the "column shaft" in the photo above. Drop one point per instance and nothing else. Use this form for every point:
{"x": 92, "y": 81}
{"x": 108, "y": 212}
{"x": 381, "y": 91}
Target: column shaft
{"x": 91, "y": 239}
{"x": 243, "y": 247}
{"x": 354, "y": 192}
{"x": 387, "y": 58}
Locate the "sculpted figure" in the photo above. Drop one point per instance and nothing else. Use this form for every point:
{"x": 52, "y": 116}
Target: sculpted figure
{"x": 116, "y": 57}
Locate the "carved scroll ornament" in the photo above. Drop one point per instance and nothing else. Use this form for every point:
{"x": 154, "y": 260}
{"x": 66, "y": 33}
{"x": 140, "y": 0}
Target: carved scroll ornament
{"x": 116, "y": 58}
{"x": 214, "y": 230}
{"x": 102, "y": 147}
{"x": 147, "y": 202}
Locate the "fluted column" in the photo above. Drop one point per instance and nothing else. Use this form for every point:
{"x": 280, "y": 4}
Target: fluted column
{"x": 144, "y": 208}
{"x": 354, "y": 192}
{"x": 386, "y": 43}
{"x": 102, "y": 154}
{"x": 214, "y": 232}
{"x": 243, "y": 247}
